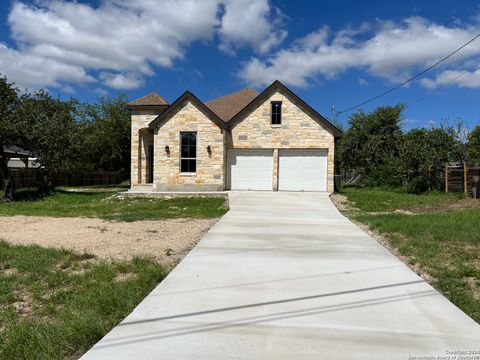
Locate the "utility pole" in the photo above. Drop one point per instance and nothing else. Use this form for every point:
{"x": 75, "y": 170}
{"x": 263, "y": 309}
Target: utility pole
{"x": 334, "y": 114}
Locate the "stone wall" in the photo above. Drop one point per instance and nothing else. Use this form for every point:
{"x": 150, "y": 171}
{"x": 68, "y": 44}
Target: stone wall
{"x": 297, "y": 131}
{"x": 140, "y": 120}
{"x": 210, "y": 166}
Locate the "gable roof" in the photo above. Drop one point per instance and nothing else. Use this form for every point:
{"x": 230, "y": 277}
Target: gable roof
{"x": 278, "y": 86}
{"x": 227, "y": 111}
{"x": 187, "y": 95}
{"x": 152, "y": 99}
{"x": 227, "y": 106}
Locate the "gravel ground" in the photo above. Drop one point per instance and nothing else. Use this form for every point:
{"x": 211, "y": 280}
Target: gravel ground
{"x": 166, "y": 240}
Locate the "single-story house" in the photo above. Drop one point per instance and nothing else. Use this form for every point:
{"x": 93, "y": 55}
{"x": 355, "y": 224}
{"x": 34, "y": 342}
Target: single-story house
{"x": 246, "y": 140}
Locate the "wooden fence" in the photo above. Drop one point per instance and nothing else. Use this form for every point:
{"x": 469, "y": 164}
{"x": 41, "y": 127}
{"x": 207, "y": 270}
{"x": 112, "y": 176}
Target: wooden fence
{"x": 462, "y": 178}
{"x": 30, "y": 177}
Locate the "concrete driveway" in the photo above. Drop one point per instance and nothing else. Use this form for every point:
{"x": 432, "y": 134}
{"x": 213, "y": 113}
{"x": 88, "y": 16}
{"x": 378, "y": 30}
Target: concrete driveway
{"x": 286, "y": 276}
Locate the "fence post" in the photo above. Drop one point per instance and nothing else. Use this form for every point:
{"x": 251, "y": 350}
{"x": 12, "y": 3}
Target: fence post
{"x": 465, "y": 177}
{"x": 446, "y": 177}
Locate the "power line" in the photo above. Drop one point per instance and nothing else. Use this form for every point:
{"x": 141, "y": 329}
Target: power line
{"x": 412, "y": 78}
{"x": 437, "y": 89}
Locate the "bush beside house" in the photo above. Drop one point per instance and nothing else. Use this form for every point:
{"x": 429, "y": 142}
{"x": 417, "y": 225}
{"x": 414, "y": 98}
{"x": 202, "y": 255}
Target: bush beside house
{"x": 377, "y": 150}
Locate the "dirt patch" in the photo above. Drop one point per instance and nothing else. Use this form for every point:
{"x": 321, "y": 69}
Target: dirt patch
{"x": 403, "y": 212}
{"x": 455, "y": 205}
{"x": 397, "y": 211}
{"x": 24, "y": 301}
{"x": 9, "y": 272}
{"x": 124, "y": 277}
{"x": 342, "y": 203}
{"x": 119, "y": 240}
{"x": 474, "y": 285}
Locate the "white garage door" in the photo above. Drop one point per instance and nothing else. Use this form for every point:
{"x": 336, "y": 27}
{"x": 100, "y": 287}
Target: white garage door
{"x": 250, "y": 169}
{"x": 302, "y": 170}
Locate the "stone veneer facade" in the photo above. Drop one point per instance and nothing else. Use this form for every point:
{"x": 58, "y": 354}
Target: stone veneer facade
{"x": 210, "y": 175}
{"x": 141, "y": 138}
{"x": 297, "y": 131}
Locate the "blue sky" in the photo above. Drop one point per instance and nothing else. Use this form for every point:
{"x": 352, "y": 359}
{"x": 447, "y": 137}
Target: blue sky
{"x": 330, "y": 53}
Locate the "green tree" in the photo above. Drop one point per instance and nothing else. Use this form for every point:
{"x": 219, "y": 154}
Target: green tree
{"x": 10, "y": 130}
{"x": 106, "y": 127}
{"x": 423, "y": 157}
{"x": 372, "y": 144}
{"x": 54, "y": 135}
{"x": 473, "y": 144}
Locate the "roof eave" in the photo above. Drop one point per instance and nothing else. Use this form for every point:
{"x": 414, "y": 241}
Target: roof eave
{"x": 146, "y": 107}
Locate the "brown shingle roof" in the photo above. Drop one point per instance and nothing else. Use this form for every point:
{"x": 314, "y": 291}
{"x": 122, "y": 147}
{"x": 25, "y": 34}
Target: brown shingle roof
{"x": 226, "y": 107}
{"x": 151, "y": 99}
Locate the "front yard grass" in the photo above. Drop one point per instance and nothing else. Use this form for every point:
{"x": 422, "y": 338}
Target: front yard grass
{"x": 100, "y": 203}
{"x": 437, "y": 235}
{"x": 378, "y": 200}
{"x": 55, "y": 304}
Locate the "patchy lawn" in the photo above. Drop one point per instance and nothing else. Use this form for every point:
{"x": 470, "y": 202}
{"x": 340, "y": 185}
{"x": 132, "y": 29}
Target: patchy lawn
{"x": 55, "y": 304}
{"x": 436, "y": 234}
{"x": 381, "y": 200}
{"x": 101, "y": 203}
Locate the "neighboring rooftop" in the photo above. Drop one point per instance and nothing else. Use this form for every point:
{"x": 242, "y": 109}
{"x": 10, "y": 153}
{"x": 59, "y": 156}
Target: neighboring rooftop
{"x": 226, "y": 107}
{"x": 151, "y": 99}
{"x": 14, "y": 150}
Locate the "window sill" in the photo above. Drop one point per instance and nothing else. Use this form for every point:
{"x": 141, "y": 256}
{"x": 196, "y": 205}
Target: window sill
{"x": 275, "y": 125}
{"x": 188, "y": 174}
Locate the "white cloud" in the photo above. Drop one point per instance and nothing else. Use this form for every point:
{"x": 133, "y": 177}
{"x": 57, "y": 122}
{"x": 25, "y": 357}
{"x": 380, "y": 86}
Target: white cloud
{"x": 250, "y": 22}
{"x": 31, "y": 71}
{"x": 121, "y": 81}
{"x": 459, "y": 78}
{"x": 101, "y": 92}
{"x": 124, "y": 38}
{"x": 312, "y": 40}
{"x": 362, "y": 81}
{"x": 382, "y": 48}
{"x": 68, "y": 89}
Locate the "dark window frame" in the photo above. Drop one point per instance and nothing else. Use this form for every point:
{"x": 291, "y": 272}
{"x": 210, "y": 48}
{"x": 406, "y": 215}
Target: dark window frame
{"x": 188, "y": 161}
{"x": 276, "y": 112}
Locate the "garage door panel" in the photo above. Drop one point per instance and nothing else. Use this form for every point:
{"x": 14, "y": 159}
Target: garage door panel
{"x": 250, "y": 169}
{"x": 302, "y": 170}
